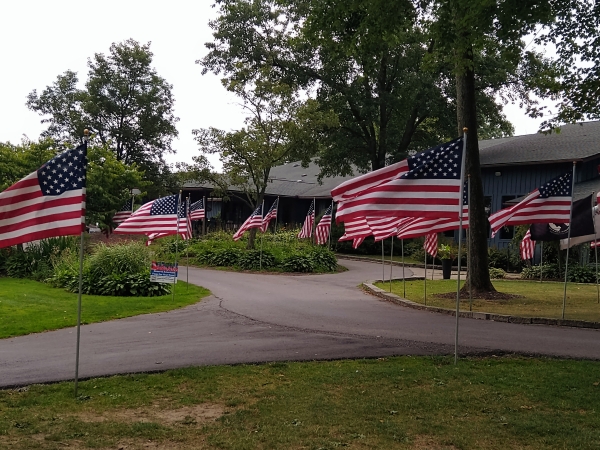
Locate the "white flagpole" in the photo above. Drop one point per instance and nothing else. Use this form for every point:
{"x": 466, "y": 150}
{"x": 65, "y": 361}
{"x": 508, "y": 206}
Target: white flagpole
{"x": 187, "y": 247}
{"x": 460, "y": 230}
{"x": 85, "y": 140}
{"x": 204, "y": 220}
{"x": 403, "y": 277}
{"x": 276, "y": 215}
{"x": 262, "y": 213}
{"x": 330, "y": 227}
{"x": 469, "y": 245}
{"x": 391, "y": 262}
{"x": 382, "y": 263}
{"x": 568, "y": 242}
{"x": 176, "y": 243}
{"x": 541, "y": 260}
{"x": 595, "y": 200}
{"x": 425, "y": 279}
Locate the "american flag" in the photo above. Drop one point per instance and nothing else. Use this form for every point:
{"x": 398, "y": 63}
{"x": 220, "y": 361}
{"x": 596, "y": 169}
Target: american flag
{"x": 594, "y": 244}
{"x": 527, "y": 246}
{"x": 157, "y": 216}
{"x": 550, "y": 203}
{"x": 384, "y": 227}
{"x": 197, "y": 211}
{"x": 324, "y": 226}
{"x": 184, "y": 228}
{"x": 124, "y": 213}
{"x": 254, "y": 221}
{"x": 424, "y": 185}
{"x": 272, "y": 214}
{"x": 431, "y": 244}
{"x": 307, "y": 228}
{"x": 356, "y": 230}
{"x": 46, "y": 203}
{"x": 423, "y": 226}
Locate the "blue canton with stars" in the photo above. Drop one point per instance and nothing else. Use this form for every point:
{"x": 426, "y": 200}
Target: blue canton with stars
{"x": 558, "y": 187}
{"x": 164, "y": 205}
{"x": 126, "y": 206}
{"x": 196, "y": 206}
{"x": 65, "y": 172}
{"x": 441, "y": 162}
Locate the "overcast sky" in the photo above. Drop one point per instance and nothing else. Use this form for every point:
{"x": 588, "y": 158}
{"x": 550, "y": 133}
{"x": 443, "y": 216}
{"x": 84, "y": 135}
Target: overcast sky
{"x": 42, "y": 39}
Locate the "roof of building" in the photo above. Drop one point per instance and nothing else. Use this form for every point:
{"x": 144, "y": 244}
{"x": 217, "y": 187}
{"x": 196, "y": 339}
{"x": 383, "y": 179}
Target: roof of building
{"x": 577, "y": 142}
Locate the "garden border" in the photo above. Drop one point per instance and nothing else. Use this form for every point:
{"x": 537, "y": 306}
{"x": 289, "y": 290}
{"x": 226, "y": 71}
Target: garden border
{"x": 393, "y": 298}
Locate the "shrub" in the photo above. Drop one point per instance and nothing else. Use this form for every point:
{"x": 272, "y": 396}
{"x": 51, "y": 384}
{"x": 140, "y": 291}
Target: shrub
{"x": 581, "y": 274}
{"x": 323, "y": 260}
{"x": 251, "y": 260}
{"x": 497, "y": 273}
{"x": 124, "y": 259}
{"x": 225, "y": 257}
{"x": 549, "y": 271}
{"x": 298, "y": 262}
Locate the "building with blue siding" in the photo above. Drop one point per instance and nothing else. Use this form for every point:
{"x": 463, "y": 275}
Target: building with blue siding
{"x": 510, "y": 167}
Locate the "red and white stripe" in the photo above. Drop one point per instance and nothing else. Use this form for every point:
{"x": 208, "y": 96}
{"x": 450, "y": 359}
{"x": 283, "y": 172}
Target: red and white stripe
{"x": 527, "y": 246}
{"x": 141, "y": 222}
{"x": 431, "y": 244}
{"x": 254, "y": 221}
{"x": 356, "y": 230}
{"x": 307, "y": 227}
{"x": 324, "y": 227}
{"x": 384, "y": 227}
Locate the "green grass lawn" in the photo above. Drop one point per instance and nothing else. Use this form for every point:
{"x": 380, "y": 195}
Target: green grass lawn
{"x": 388, "y": 403}
{"x": 539, "y": 299}
{"x": 28, "y": 306}
{"x": 397, "y": 258}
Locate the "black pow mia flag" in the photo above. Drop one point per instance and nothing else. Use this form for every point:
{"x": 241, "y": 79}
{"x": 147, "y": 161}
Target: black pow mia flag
{"x": 582, "y": 224}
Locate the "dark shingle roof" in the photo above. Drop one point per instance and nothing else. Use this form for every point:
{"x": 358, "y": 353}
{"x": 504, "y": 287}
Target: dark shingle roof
{"x": 574, "y": 143}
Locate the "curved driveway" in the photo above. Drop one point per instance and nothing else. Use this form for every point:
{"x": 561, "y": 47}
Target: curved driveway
{"x": 257, "y": 318}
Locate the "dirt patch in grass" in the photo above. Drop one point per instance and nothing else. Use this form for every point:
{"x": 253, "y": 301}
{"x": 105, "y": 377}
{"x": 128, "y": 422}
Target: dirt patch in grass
{"x": 493, "y": 296}
{"x": 188, "y": 415}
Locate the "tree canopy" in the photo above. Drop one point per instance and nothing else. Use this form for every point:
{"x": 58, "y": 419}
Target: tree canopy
{"x": 126, "y": 105}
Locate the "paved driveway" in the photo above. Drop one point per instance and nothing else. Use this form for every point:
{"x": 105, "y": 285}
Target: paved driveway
{"x": 257, "y": 318}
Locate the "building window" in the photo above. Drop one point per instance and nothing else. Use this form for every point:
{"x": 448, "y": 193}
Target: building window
{"x": 508, "y": 233}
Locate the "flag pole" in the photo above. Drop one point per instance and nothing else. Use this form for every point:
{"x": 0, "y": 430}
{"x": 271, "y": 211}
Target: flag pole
{"x": 382, "y": 263}
{"x": 314, "y": 224}
{"x": 460, "y": 230}
{"x": 568, "y": 242}
{"x": 595, "y": 244}
{"x": 403, "y": 277}
{"x": 85, "y": 140}
{"x": 425, "y": 279}
{"x": 262, "y": 213}
{"x": 176, "y": 244}
{"x": 204, "y": 220}
{"x": 276, "y": 216}
{"x": 469, "y": 245}
{"x": 188, "y": 221}
{"x": 391, "y": 262}
{"x": 330, "y": 226}
{"x": 542, "y": 259}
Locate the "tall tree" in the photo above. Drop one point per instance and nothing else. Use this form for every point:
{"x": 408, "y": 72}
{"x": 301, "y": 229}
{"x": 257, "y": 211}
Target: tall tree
{"x": 125, "y": 103}
{"x": 278, "y": 129}
{"x": 361, "y": 59}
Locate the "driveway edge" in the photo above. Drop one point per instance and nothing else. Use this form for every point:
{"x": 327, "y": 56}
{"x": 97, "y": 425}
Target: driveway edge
{"x": 372, "y": 289}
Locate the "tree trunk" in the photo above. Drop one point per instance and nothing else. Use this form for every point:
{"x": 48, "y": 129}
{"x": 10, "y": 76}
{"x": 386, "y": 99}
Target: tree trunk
{"x": 251, "y": 238}
{"x": 467, "y": 117}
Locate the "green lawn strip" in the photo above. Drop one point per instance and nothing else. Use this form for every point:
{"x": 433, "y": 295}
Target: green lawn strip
{"x": 539, "y": 299}
{"x": 403, "y": 403}
{"x": 397, "y": 258}
{"x": 28, "y": 306}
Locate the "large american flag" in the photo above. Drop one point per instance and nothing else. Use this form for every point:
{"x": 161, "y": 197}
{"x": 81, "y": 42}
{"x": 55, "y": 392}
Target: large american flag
{"x": 254, "y": 221}
{"x": 124, "y": 213}
{"x": 424, "y": 185}
{"x": 356, "y": 230}
{"x": 384, "y": 227}
{"x": 46, "y": 203}
{"x": 527, "y": 246}
{"x": 324, "y": 226}
{"x": 431, "y": 244}
{"x": 272, "y": 214}
{"x": 307, "y": 227}
{"x": 550, "y": 203}
{"x": 184, "y": 227}
{"x": 197, "y": 211}
{"x": 157, "y": 216}
{"x": 423, "y": 226}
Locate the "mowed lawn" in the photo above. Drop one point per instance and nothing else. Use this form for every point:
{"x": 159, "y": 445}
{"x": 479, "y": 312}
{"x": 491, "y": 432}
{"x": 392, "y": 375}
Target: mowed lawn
{"x": 28, "y": 306}
{"x": 537, "y": 299}
{"x": 387, "y": 403}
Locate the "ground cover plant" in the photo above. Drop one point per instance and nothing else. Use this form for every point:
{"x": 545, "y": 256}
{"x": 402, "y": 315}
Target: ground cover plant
{"x": 385, "y": 403}
{"x": 533, "y": 299}
{"x": 281, "y": 252}
{"x": 29, "y": 306}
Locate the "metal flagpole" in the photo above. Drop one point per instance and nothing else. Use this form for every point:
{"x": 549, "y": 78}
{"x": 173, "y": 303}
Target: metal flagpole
{"x": 403, "y": 277}
{"x": 568, "y": 241}
{"x": 314, "y": 224}
{"x": 85, "y": 140}
{"x": 460, "y": 230}
{"x": 391, "y": 262}
{"x": 595, "y": 245}
{"x": 204, "y": 220}
{"x": 425, "y": 279}
{"x": 541, "y": 259}
{"x": 330, "y": 227}
{"x": 262, "y": 213}
{"x": 382, "y": 263}
{"x": 469, "y": 245}
{"x": 187, "y": 247}
{"x": 276, "y": 216}
{"x": 176, "y": 245}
